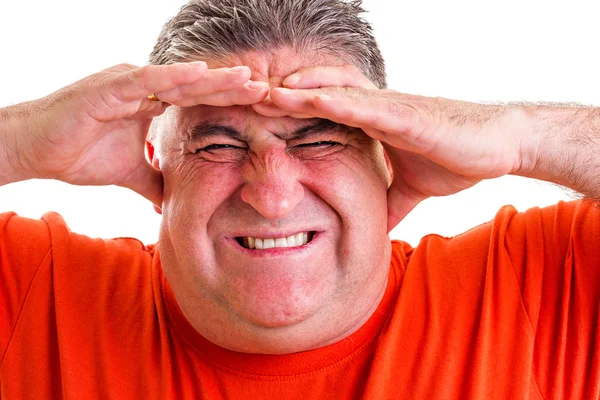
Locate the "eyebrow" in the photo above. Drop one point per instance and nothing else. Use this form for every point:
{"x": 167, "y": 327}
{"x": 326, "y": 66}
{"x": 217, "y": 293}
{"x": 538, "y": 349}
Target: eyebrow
{"x": 208, "y": 129}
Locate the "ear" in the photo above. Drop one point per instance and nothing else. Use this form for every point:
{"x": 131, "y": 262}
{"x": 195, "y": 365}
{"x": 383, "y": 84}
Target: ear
{"x": 150, "y": 154}
{"x": 388, "y": 165}
{"x": 402, "y": 197}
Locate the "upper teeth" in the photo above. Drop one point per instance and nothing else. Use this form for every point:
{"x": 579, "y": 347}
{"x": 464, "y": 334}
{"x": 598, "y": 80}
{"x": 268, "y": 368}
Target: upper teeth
{"x": 290, "y": 241}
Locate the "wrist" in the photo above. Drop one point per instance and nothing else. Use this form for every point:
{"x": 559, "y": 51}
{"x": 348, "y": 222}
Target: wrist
{"x": 15, "y": 126}
{"x": 523, "y": 124}
{"x": 564, "y": 146}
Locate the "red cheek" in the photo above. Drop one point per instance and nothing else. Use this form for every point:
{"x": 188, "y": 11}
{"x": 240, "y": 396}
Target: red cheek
{"x": 216, "y": 182}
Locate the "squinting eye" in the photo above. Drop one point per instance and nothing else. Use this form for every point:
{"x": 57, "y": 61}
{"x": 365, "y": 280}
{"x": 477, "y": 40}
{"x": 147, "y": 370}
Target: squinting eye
{"x": 323, "y": 143}
{"x": 213, "y": 147}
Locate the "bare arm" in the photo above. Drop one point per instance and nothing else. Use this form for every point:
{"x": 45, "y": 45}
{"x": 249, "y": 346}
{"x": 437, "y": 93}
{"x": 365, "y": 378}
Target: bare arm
{"x": 439, "y": 147}
{"x": 93, "y": 132}
{"x": 13, "y": 121}
{"x": 569, "y": 147}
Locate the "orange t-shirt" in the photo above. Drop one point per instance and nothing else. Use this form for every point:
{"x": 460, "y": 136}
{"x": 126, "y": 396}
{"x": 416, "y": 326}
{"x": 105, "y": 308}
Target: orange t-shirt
{"x": 507, "y": 310}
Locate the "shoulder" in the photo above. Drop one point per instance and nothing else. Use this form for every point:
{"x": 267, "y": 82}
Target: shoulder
{"x": 26, "y": 241}
{"x": 511, "y": 228}
{"x": 14, "y": 226}
{"x": 23, "y": 241}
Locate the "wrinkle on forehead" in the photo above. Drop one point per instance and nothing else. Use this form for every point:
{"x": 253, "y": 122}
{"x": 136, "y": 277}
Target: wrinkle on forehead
{"x": 275, "y": 65}
{"x": 268, "y": 66}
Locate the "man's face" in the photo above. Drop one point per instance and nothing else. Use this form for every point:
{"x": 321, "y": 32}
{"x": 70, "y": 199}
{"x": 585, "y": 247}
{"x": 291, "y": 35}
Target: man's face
{"x": 234, "y": 178}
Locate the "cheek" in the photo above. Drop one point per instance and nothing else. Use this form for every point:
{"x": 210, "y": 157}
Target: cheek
{"x": 355, "y": 188}
{"x": 195, "y": 191}
{"x": 357, "y": 192}
{"x": 348, "y": 179}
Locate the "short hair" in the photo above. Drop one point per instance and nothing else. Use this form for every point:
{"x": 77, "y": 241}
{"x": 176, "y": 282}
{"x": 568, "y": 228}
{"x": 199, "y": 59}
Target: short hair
{"x": 218, "y": 29}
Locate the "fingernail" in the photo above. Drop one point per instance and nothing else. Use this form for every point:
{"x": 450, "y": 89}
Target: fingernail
{"x": 196, "y": 64}
{"x": 253, "y": 85}
{"x": 325, "y": 97}
{"x": 238, "y": 69}
{"x": 292, "y": 79}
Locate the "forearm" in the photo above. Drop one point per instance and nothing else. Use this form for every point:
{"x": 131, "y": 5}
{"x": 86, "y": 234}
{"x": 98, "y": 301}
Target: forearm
{"x": 566, "y": 149}
{"x": 15, "y": 122}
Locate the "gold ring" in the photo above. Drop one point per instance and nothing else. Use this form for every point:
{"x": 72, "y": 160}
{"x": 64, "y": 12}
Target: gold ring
{"x": 153, "y": 97}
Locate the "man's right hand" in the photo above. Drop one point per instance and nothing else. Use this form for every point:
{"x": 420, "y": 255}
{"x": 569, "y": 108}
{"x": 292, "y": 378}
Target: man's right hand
{"x": 93, "y": 132}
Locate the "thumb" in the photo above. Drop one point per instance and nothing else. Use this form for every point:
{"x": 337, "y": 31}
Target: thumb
{"x": 146, "y": 181}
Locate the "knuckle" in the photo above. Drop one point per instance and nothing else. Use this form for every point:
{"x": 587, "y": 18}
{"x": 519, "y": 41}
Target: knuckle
{"x": 404, "y": 113}
{"x": 352, "y": 93}
{"x": 397, "y": 108}
{"x": 178, "y": 92}
{"x": 351, "y": 69}
{"x": 139, "y": 75}
{"x": 142, "y": 72}
{"x": 119, "y": 68}
{"x": 88, "y": 86}
{"x": 354, "y": 72}
{"x": 310, "y": 69}
{"x": 358, "y": 77}
{"x": 126, "y": 67}
{"x": 95, "y": 81}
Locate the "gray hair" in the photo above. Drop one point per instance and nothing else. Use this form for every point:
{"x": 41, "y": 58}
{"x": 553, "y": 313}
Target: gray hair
{"x": 218, "y": 29}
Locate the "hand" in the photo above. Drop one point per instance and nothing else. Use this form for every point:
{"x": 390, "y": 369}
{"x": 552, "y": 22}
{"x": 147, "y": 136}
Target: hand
{"x": 436, "y": 147}
{"x": 93, "y": 132}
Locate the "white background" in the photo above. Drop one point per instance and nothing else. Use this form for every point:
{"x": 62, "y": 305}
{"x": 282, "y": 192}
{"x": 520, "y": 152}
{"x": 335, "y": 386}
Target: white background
{"x": 513, "y": 50}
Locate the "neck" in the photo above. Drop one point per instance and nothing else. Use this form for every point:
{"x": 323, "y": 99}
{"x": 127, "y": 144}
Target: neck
{"x": 334, "y": 322}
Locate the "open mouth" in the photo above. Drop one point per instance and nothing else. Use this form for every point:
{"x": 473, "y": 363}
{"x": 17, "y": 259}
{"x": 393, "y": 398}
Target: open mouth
{"x": 297, "y": 240}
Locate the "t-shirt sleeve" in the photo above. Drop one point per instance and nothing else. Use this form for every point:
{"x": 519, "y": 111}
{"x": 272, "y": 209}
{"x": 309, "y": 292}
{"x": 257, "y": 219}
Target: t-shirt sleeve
{"x": 24, "y": 247}
{"x": 555, "y": 253}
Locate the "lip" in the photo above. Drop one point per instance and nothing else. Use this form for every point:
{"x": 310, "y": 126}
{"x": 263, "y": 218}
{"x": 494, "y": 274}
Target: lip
{"x": 276, "y": 251}
{"x": 271, "y": 234}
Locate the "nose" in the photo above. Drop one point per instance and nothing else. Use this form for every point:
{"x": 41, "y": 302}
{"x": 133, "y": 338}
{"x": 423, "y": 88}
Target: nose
{"x": 272, "y": 186}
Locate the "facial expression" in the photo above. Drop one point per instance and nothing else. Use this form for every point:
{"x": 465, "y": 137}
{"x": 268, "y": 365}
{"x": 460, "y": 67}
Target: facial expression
{"x": 234, "y": 178}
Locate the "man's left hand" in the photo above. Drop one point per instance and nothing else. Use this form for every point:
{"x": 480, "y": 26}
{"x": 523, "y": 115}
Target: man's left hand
{"x": 436, "y": 147}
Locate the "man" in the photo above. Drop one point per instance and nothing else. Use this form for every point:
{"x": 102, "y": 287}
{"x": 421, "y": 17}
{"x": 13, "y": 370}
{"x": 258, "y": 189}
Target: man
{"x": 280, "y": 162}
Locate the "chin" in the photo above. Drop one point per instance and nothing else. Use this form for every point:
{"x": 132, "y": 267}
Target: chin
{"x": 276, "y": 318}
{"x": 279, "y": 302}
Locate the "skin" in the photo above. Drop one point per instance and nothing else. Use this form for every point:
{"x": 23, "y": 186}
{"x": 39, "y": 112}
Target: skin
{"x": 269, "y": 185}
{"x": 272, "y": 184}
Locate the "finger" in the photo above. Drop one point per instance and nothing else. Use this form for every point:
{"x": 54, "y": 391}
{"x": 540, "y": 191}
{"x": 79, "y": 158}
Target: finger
{"x": 213, "y": 81}
{"x": 137, "y": 83}
{"x": 362, "y": 110}
{"x": 150, "y": 109}
{"x": 328, "y": 76}
{"x": 397, "y": 122}
{"x": 250, "y": 93}
{"x": 303, "y": 102}
{"x": 271, "y": 111}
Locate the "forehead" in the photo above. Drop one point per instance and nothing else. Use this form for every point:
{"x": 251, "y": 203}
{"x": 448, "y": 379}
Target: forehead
{"x": 272, "y": 67}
